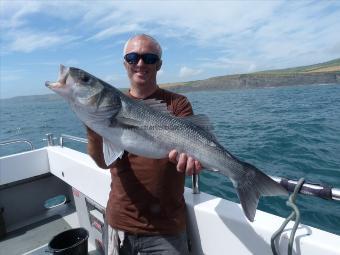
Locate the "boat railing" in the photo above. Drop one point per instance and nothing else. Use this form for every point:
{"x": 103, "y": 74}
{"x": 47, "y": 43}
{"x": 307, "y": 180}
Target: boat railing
{"x": 13, "y": 141}
{"x": 316, "y": 190}
{"x": 70, "y": 137}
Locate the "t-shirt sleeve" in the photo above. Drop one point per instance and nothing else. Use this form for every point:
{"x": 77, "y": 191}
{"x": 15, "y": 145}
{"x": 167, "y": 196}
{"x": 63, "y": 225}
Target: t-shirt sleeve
{"x": 182, "y": 107}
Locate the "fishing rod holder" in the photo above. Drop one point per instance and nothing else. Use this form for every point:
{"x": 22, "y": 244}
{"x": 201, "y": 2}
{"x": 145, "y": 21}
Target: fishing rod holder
{"x": 310, "y": 189}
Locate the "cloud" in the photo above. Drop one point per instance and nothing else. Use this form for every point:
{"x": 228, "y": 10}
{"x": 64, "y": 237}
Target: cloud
{"x": 28, "y": 41}
{"x": 23, "y": 25}
{"x": 13, "y": 13}
{"x": 229, "y": 65}
{"x": 186, "y": 72}
{"x": 115, "y": 30}
{"x": 245, "y": 27}
{"x": 240, "y": 36}
{"x": 172, "y": 19}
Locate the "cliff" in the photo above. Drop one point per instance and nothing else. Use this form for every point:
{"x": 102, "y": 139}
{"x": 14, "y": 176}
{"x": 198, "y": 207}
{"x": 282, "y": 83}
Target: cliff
{"x": 324, "y": 73}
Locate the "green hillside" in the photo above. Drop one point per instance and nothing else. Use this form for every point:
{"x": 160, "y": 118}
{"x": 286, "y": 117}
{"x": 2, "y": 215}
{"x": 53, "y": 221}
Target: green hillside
{"x": 329, "y": 66}
{"x": 321, "y": 73}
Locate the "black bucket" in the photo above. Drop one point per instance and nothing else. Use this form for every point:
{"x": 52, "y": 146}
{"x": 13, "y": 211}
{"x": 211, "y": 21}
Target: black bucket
{"x": 71, "y": 242}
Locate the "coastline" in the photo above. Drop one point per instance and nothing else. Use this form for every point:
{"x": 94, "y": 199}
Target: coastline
{"x": 321, "y": 73}
{"x": 255, "y": 80}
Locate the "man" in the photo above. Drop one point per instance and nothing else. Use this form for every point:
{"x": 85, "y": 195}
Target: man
{"x": 146, "y": 201}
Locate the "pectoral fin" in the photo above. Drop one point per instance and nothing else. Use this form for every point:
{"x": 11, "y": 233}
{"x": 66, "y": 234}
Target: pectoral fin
{"x": 128, "y": 122}
{"x": 111, "y": 152}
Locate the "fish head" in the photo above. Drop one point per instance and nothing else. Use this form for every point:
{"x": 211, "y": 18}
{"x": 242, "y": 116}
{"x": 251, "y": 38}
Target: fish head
{"x": 75, "y": 85}
{"x": 83, "y": 89}
{"x": 86, "y": 92}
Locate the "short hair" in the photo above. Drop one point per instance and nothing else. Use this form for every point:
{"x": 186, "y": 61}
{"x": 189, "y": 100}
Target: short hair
{"x": 158, "y": 46}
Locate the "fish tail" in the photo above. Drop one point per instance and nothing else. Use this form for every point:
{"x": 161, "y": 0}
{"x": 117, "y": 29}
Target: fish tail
{"x": 252, "y": 185}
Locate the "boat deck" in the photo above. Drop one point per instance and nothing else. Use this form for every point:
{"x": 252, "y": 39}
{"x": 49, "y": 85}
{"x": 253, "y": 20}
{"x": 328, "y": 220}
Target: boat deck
{"x": 33, "y": 239}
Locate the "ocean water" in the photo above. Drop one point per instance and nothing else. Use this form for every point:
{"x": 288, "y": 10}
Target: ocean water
{"x": 290, "y": 132}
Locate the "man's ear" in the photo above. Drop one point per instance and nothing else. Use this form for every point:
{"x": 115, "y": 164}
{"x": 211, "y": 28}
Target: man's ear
{"x": 159, "y": 65}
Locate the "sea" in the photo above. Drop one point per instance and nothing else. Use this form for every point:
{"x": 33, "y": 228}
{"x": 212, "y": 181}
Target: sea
{"x": 290, "y": 132}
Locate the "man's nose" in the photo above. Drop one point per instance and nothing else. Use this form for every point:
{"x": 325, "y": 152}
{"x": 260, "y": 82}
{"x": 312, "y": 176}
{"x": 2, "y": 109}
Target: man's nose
{"x": 140, "y": 62}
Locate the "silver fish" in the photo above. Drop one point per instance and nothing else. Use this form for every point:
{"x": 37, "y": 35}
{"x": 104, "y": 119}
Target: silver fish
{"x": 145, "y": 128}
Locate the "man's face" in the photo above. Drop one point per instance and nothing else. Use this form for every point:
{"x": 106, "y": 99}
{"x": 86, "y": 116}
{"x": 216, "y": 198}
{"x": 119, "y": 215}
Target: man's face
{"x": 141, "y": 74}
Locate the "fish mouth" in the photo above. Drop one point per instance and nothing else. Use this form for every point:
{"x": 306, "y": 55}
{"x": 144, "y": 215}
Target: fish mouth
{"x": 53, "y": 85}
{"x": 63, "y": 73}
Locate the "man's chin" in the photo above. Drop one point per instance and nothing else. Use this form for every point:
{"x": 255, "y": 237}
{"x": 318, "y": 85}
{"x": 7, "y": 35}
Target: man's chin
{"x": 140, "y": 81}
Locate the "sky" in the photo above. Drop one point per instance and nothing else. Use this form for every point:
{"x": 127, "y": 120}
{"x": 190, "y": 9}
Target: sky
{"x": 200, "y": 39}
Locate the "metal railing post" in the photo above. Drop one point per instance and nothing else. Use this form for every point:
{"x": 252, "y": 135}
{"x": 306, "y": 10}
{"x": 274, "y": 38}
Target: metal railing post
{"x": 50, "y": 139}
{"x": 70, "y": 137}
{"x": 195, "y": 183}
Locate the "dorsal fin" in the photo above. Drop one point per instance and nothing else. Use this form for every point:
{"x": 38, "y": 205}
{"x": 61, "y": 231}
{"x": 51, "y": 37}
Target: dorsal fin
{"x": 200, "y": 120}
{"x": 157, "y": 105}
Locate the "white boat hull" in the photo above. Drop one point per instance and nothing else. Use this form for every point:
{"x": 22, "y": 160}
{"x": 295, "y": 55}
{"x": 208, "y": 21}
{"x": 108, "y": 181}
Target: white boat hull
{"x": 215, "y": 226}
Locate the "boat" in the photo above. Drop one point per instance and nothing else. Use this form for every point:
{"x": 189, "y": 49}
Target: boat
{"x": 46, "y": 191}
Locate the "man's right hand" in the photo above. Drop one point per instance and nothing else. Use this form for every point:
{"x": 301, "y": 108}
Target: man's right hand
{"x": 185, "y": 163}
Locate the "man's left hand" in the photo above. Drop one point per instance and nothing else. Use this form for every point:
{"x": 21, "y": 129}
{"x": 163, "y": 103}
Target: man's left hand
{"x": 185, "y": 163}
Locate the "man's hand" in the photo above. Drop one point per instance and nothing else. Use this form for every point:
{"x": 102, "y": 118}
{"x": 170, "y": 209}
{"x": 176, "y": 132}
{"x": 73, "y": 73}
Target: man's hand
{"x": 185, "y": 163}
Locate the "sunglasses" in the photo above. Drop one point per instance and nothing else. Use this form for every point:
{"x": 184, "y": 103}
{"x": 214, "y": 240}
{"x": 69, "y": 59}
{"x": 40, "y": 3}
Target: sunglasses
{"x": 148, "y": 58}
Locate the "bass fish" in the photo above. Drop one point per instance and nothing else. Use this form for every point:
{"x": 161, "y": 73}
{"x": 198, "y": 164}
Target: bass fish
{"x": 145, "y": 128}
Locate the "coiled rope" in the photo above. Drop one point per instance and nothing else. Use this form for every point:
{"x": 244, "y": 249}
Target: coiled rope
{"x": 295, "y": 215}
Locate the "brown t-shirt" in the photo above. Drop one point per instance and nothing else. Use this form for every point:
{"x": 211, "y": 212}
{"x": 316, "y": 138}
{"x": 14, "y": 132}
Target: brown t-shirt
{"x": 147, "y": 194}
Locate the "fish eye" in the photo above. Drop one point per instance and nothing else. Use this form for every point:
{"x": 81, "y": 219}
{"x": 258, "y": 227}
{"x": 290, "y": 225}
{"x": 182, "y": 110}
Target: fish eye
{"x": 85, "y": 78}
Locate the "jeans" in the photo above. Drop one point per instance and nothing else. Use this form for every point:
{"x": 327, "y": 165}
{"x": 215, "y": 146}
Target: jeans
{"x": 152, "y": 244}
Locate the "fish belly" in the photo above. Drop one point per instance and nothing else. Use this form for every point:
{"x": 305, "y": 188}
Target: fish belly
{"x": 139, "y": 143}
